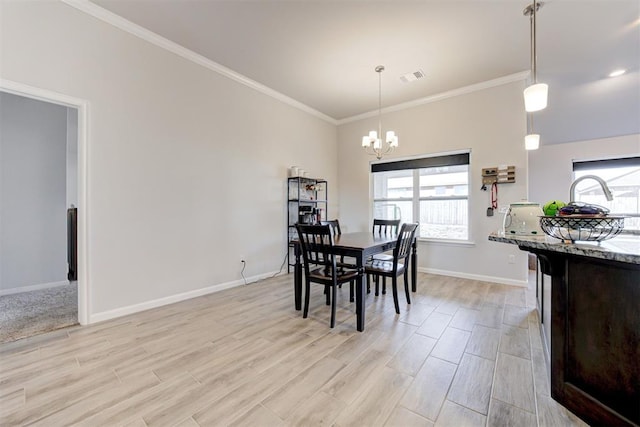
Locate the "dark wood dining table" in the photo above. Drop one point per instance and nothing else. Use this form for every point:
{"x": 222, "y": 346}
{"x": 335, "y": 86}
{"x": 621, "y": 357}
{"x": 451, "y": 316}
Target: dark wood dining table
{"x": 359, "y": 245}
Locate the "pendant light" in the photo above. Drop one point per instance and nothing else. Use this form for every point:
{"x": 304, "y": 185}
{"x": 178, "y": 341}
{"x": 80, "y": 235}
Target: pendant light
{"x": 531, "y": 140}
{"x": 372, "y": 142}
{"x": 535, "y": 95}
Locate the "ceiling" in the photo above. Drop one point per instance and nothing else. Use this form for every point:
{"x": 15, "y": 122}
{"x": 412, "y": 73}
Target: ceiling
{"x": 322, "y": 53}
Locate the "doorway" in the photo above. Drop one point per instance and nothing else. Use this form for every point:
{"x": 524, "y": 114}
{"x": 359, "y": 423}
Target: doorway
{"x": 34, "y": 202}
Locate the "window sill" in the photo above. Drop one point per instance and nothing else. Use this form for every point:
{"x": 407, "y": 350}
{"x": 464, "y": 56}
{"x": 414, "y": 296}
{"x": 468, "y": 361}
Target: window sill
{"x": 443, "y": 242}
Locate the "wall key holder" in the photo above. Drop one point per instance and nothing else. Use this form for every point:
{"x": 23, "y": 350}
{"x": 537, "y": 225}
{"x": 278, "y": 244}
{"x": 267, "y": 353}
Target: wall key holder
{"x": 499, "y": 174}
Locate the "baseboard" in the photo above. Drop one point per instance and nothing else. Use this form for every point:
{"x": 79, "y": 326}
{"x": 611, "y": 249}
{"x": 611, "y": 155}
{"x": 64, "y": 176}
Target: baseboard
{"x": 492, "y": 279}
{"x": 33, "y": 288}
{"x": 136, "y": 308}
{"x": 147, "y": 305}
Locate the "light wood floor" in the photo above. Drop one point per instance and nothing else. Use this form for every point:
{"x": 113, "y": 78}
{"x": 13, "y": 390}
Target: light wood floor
{"x": 464, "y": 353}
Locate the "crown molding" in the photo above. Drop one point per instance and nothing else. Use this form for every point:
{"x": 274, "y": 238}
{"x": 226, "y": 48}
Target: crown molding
{"x": 523, "y": 75}
{"x": 125, "y": 25}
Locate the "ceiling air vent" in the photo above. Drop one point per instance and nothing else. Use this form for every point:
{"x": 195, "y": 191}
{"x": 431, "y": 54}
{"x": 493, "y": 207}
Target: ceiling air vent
{"x": 412, "y": 77}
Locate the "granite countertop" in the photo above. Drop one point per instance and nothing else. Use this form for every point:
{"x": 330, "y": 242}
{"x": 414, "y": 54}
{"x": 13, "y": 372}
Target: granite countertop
{"x": 622, "y": 248}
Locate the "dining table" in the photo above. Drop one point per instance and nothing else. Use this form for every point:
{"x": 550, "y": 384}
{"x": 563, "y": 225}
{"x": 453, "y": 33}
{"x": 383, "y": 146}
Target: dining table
{"x": 360, "y": 246}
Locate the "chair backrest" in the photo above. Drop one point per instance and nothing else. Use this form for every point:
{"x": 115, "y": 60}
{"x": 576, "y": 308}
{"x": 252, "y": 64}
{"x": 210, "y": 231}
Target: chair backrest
{"x": 386, "y": 227}
{"x": 405, "y": 240}
{"x": 316, "y": 242}
{"x": 335, "y": 226}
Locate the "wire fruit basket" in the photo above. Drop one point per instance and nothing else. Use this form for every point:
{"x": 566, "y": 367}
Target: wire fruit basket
{"x": 582, "y": 227}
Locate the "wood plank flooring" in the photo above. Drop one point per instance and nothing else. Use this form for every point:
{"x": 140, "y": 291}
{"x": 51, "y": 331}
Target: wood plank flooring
{"x": 465, "y": 353}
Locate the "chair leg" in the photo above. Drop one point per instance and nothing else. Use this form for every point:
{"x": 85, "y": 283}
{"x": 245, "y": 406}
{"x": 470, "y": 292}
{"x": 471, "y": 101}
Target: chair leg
{"x": 394, "y": 287}
{"x": 333, "y": 306}
{"x": 377, "y": 279}
{"x": 351, "y": 287}
{"x": 327, "y": 294}
{"x": 307, "y": 288}
{"x": 384, "y": 285}
{"x": 406, "y": 286}
{"x": 368, "y": 283}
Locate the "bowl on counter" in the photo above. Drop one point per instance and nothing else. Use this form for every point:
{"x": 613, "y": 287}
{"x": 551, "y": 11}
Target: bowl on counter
{"x": 582, "y": 227}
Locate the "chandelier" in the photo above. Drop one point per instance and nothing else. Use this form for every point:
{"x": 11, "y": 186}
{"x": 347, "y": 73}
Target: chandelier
{"x": 535, "y": 95}
{"x": 372, "y": 142}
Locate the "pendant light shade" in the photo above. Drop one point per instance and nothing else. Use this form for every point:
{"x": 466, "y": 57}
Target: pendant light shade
{"x": 535, "y": 97}
{"x": 392, "y": 138}
{"x": 532, "y": 141}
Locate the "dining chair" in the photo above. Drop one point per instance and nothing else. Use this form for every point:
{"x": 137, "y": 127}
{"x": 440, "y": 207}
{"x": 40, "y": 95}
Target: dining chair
{"x": 383, "y": 227}
{"x": 398, "y": 265}
{"x": 387, "y": 227}
{"x": 334, "y": 224}
{"x": 320, "y": 264}
{"x": 335, "y": 229}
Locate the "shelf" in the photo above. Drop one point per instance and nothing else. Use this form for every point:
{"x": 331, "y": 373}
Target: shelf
{"x": 305, "y": 178}
{"x": 307, "y": 202}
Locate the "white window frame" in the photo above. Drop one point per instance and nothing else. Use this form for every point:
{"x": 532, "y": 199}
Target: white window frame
{"x": 416, "y": 199}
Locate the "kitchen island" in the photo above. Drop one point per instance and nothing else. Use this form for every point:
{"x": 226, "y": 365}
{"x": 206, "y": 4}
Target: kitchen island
{"x": 594, "y": 324}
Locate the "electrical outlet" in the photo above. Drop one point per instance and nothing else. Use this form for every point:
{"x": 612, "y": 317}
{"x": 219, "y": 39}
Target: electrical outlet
{"x": 512, "y": 259}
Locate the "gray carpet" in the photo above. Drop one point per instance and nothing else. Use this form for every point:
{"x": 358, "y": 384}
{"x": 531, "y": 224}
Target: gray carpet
{"x": 31, "y": 313}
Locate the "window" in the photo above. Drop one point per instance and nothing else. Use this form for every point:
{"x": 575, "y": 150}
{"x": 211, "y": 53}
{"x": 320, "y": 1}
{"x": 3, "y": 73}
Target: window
{"x": 623, "y": 179}
{"x": 433, "y": 191}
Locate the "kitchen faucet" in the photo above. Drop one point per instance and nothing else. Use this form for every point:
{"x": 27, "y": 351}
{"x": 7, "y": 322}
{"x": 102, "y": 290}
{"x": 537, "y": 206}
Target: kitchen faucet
{"x": 605, "y": 189}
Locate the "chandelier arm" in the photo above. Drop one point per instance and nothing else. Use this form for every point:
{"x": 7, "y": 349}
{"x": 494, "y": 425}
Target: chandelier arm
{"x": 374, "y": 152}
{"x": 378, "y": 152}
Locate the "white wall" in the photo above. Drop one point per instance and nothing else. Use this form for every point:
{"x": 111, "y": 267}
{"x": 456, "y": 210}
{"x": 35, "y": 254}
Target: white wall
{"x": 186, "y": 168}
{"x": 551, "y": 166}
{"x": 33, "y": 223}
{"x": 492, "y": 124}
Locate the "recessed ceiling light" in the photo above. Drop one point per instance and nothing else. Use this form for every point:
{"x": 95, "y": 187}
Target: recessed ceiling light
{"x": 617, "y": 73}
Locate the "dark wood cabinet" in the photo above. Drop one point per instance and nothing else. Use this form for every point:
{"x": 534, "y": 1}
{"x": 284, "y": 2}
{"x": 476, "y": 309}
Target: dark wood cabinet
{"x": 595, "y": 335}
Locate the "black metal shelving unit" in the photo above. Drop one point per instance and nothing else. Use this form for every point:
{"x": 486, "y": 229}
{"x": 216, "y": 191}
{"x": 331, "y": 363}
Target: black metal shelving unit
{"x": 307, "y": 200}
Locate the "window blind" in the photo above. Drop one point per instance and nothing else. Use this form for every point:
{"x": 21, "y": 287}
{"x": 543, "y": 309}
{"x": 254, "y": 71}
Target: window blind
{"x": 606, "y": 164}
{"x": 424, "y": 162}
